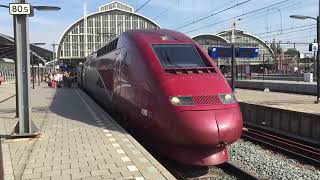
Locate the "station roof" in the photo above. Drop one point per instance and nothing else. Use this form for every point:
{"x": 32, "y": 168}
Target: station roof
{"x": 7, "y": 50}
{"x": 111, "y": 19}
{"x": 6, "y": 60}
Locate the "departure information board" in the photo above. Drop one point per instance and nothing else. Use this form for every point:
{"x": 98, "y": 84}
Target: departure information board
{"x": 247, "y": 52}
{"x": 226, "y": 52}
{"x": 220, "y": 52}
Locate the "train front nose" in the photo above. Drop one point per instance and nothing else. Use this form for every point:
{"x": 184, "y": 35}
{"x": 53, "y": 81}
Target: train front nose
{"x": 194, "y": 128}
{"x": 230, "y": 124}
{"x": 207, "y": 128}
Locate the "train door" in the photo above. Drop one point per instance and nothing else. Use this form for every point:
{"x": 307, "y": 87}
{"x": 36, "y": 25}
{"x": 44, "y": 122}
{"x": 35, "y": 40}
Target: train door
{"x": 116, "y": 76}
{"x": 120, "y": 79}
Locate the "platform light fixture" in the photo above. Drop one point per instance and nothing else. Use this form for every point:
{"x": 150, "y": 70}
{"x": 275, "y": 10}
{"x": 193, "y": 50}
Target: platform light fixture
{"x": 302, "y": 17}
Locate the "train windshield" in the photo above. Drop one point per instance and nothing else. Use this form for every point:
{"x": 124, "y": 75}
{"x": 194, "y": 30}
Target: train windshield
{"x": 179, "y": 55}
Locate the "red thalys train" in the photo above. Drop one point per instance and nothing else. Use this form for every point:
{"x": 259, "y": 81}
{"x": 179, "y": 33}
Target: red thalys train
{"x": 167, "y": 88}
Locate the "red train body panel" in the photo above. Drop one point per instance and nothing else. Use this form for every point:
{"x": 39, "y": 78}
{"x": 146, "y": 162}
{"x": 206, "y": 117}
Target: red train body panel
{"x": 168, "y": 88}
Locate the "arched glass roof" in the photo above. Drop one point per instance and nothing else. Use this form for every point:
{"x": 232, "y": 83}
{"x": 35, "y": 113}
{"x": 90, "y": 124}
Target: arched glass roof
{"x": 114, "y": 18}
{"x": 241, "y": 37}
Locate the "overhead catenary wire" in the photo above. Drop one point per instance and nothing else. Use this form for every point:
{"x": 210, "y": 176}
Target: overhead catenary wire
{"x": 144, "y": 4}
{"x": 280, "y": 30}
{"x": 220, "y": 7}
{"x": 262, "y": 14}
{"x": 267, "y": 12}
{"x": 302, "y": 37}
{"x": 238, "y": 16}
{"x": 161, "y": 13}
{"x": 300, "y": 30}
{"x": 213, "y": 14}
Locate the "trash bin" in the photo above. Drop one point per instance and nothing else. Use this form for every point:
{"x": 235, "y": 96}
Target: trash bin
{"x": 308, "y": 77}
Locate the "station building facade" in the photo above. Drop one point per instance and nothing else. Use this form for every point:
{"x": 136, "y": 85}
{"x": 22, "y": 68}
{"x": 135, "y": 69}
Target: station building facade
{"x": 91, "y": 32}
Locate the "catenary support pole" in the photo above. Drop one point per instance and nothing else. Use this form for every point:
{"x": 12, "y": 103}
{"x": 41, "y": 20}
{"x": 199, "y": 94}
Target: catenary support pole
{"x": 232, "y": 66}
{"x": 25, "y": 127}
{"x": 16, "y": 67}
{"x": 263, "y": 67}
{"x": 32, "y": 69}
{"x": 39, "y": 74}
{"x": 314, "y": 60}
{"x": 53, "y": 56}
{"x": 318, "y": 56}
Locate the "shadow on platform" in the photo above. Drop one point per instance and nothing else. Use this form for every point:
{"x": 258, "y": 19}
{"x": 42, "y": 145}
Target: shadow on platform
{"x": 67, "y": 103}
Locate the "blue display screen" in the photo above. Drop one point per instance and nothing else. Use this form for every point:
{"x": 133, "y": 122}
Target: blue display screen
{"x": 220, "y": 52}
{"x": 247, "y": 52}
{"x": 226, "y": 52}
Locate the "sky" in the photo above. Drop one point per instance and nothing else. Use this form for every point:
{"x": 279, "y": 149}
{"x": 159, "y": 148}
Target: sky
{"x": 267, "y": 24}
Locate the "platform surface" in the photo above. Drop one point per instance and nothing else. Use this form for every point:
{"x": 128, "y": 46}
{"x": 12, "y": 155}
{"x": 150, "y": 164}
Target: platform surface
{"x": 281, "y": 81}
{"x": 287, "y": 101}
{"x": 78, "y": 140}
{"x": 7, "y": 91}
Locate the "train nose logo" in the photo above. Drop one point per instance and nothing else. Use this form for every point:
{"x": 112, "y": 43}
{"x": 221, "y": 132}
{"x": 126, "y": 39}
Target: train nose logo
{"x": 144, "y": 112}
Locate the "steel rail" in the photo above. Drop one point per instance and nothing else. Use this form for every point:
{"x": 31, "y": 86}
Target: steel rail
{"x": 229, "y": 169}
{"x": 295, "y": 149}
{"x": 238, "y": 172}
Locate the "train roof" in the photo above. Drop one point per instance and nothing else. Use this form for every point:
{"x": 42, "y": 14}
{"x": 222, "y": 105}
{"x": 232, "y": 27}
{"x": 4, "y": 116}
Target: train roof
{"x": 155, "y": 35}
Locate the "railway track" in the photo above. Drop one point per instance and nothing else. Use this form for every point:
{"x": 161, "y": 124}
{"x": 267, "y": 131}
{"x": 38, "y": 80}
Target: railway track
{"x": 228, "y": 169}
{"x": 239, "y": 173}
{"x": 303, "y": 151}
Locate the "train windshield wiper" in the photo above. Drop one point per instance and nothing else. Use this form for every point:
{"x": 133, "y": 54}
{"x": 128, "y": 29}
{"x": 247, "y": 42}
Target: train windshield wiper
{"x": 170, "y": 61}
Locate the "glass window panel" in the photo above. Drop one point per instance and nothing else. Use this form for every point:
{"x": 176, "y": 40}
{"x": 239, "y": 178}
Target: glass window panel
{"x": 179, "y": 55}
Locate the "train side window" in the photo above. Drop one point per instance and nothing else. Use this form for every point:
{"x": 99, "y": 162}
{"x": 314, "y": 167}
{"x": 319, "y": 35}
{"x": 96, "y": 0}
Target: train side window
{"x": 108, "y": 48}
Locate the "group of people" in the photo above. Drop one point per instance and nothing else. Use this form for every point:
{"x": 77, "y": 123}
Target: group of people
{"x": 62, "y": 79}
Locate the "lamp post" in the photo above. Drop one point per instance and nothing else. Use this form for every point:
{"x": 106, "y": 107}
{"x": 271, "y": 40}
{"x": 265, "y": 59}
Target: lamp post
{"x": 318, "y": 51}
{"x": 54, "y": 55}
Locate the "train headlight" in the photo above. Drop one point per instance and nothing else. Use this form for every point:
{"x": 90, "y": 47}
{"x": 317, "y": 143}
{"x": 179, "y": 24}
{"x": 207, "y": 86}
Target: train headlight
{"x": 227, "y": 98}
{"x": 181, "y": 100}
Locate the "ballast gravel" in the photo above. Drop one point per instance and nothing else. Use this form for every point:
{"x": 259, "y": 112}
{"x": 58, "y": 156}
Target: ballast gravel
{"x": 269, "y": 164}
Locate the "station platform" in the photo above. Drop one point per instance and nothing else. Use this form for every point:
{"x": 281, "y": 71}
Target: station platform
{"x": 7, "y": 91}
{"x": 292, "y": 115}
{"x": 286, "y": 101}
{"x": 78, "y": 140}
{"x": 296, "y": 87}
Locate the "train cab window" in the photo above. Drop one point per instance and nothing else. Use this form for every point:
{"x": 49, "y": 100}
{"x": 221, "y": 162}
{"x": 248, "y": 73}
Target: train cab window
{"x": 179, "y": 55}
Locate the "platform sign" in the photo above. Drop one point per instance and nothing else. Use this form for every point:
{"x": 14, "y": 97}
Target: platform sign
{"x": 247, "y": 52}
{"x": 220, "y": 52}
{"x": 19, "y": 9}
{"x": 313, "y": 47}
